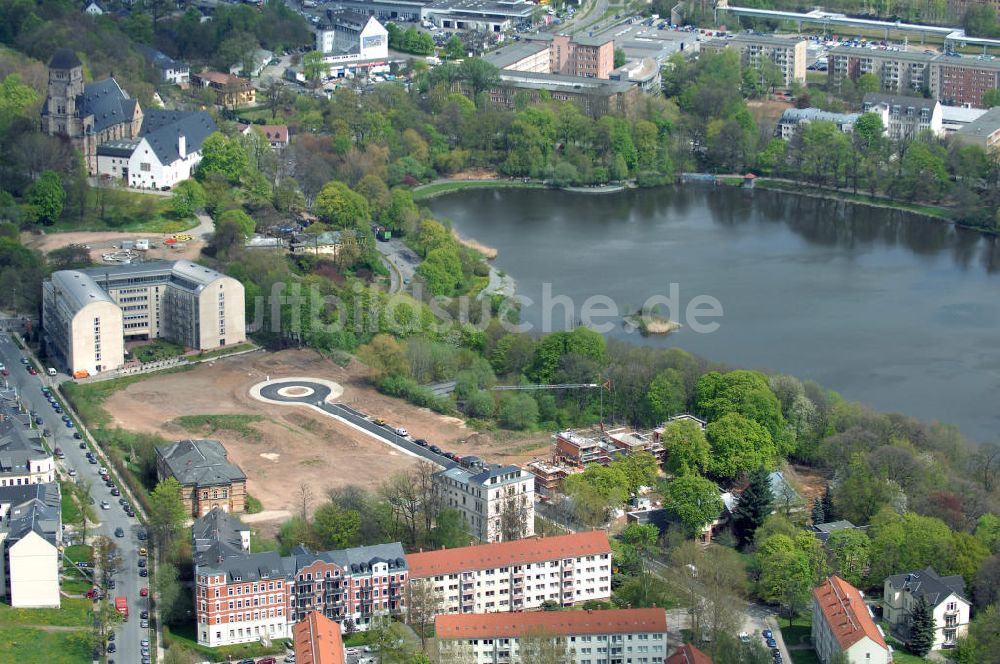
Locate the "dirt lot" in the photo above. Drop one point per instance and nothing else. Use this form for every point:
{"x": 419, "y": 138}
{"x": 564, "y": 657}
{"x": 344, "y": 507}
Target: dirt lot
{"x": 102, "y": 242}
{"x": 296, "y": 444}
{"x": 767, "y": 111}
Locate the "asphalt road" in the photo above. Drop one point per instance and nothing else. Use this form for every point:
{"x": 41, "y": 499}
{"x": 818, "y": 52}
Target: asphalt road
{"x": 128, "y": 581}
{"x": 355, "y": 417}
{"x": 403, "y": 259}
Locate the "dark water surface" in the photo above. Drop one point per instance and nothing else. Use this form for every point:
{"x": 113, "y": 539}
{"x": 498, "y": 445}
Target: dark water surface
{"x": 895, "y": 311}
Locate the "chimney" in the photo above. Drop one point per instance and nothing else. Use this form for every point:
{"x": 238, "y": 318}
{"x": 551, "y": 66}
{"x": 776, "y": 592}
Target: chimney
{"x": 182, "y": 146}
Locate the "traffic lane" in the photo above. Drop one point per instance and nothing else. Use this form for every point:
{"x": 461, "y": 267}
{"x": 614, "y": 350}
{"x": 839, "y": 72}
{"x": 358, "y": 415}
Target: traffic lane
{"x": 127, "y": 581}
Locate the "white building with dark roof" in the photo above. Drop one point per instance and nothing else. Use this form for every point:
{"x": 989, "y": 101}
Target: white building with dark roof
{"x": 494, "y": 500}
{"x": 944, "y": 594}
{"x": 30, "y": 537}
{"x": 88, "y": 314}
{"x": 167, "y": 69}
{"x": 905, "y": 117}
{"x": 209, "y": 480}
{"x": 793, "y": 118}
{"x": 351, "y": 37}
{"x": 23, "y": 458}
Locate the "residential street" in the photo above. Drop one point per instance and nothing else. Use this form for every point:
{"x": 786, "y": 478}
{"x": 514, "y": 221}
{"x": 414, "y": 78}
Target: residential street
{"x": 128, "y": 581}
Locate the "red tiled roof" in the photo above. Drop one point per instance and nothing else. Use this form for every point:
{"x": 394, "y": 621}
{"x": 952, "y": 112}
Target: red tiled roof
{"x": 505, "y": 554}
{"x": 845, "y": 612}
{"x": 220, "y": 78}
{"x": 317, "y": 640}
{"x": 550, "y": 623}
{"x": 688, "y": 654}
{"x": 270, "y": 132}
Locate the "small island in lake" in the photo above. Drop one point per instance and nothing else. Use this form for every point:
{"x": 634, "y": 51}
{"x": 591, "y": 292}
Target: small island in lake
{"x": 648, "y": 321}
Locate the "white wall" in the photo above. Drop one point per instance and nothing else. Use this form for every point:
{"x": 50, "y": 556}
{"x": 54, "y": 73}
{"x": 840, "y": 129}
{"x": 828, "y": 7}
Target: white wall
{"x": 247, "y": 631}
{"x": 592, "y": 648}
{"x": 156, "y": 175}
{"x": 374, "y": 41}
{"x": 867, "y": 651}
{"x": 34, "y": 573}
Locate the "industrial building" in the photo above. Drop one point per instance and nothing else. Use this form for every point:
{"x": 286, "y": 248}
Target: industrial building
{"x": 480, "y": 15}
{"x": 87, "y": 315}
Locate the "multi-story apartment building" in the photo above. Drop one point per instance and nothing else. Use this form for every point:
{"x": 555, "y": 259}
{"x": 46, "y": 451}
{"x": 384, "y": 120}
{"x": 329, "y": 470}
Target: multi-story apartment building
{"x": 30, "y": 538}
{"x": 88, "y": 314}
{"x": 582, "y": 448}
{"x": 241, "y": 597}
{"x": 517, "y": 576}
{"x": 901, "y": 72}
{"x": 317, "y": 640}
{"x": 788, "y": 54}
{"x": 548, "y": 477}
{"x": 843, "y": 626}
{"x": 23, "y": 458}
{"x": 944, "y": 594}
{"x": 949, "y": 78}
{"x": 208, "y": 479}
{"x": 984, "y": 131}
{"x": 580, "y": 56}
{"x": 496, "y": 502}
{"x": 792, "y": 120}
{"x": 905, "y": 117}
{"x": 638, "y": 636}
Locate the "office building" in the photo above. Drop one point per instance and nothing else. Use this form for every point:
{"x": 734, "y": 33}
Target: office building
{"x": 517, "y": 576}
{"x": 984, "y": 131}
{"x": 495, "y": 16}
{"x": 87, "y": 315}
{"x": 497, "y": 502}
{"x": 352, "y": 37}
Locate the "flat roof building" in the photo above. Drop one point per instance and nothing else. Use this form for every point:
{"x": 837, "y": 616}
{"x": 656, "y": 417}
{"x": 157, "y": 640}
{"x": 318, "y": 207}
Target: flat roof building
{"x": 984, "y": 131}
{"x": 789, "y": 54}
{"x": 482, "y": 15}
{"x": 88, "y": 314}
{"x": 352, "y": 37}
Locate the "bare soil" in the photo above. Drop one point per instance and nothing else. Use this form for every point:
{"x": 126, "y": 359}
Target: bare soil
{"x": 101, "y": 242}
{"x": 767, "y": 111}
{"x": 296, "y": 444}
{"x": 809, "y": 482}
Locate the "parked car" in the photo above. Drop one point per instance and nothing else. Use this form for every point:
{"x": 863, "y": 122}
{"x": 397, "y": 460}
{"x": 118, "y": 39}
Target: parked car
{"x": 69, "y": 424}
{"x": 79, "y": 436}
{"x": 144, "y": 572}
{"x": 83, "y": 446}
{"x": 267, "y": 660}
{"x": 143, "y": 592}
{"x": 435, "y": 449}
{"x": 105, "y": 505}
{"x": 115, "y": 491}
{"x": 119, "y": 532}
{"x": 112, "y": 647}
{"x": 421, "y": 442}
{"x": 142, "y": 562}
{"x": 400, "y": 431}
{"x": 72, "y": 472}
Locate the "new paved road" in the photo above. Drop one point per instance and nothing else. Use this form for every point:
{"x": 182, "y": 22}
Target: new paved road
{"x": 128, "y": 581}
{"x": 318, "y": 398}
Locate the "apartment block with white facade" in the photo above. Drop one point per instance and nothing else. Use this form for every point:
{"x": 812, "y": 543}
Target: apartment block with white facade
{"x": 945, "y": 595}
{"x": 517, "y": 576}
{"x": 905, "y": 117}
{"x": 788, "y": 54}
{"x": 496, "y": 502}
{"x": 30, "y": 537}
{"x": 637, "y": 636}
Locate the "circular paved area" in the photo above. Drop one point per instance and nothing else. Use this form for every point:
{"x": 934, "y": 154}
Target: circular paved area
{"x": 297, "y": 389}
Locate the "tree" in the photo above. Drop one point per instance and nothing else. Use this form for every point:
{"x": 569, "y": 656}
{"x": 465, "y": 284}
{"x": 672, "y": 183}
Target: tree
{"x": 867, "y": 82}
{"x": 81, "y": 493}
{"x": 16, "y": 99}
{"x": 639, "y": 470}
{"x": 539, "y": 647}
{"x": 449, "y": 530}
{"x": 818, "y": 515}
{"x": 337, "y": 205}
{"x": 744, "y": 392}
{"x": 620, "y": 57}
{"x": 47, "y": 197}
{"x": 694, "y": 501}
{"x": 453, "y": 49}
{"x": 991, "y": 98}
{"x": 980, "y": 20}
{"x": 739, "y": 446}
{"x": 173, "y": 611}
{"x": 754, "y": 506}
{"x": 241, "y": 219}
{"x": 686, "y": 447}
{"x": 376, "y": 192}
{"x": 314, "y": 67}
{"x": 442, "y": 270}
{"x": 187, "y": 198}
{"x": 667, "y": 394}
{"x": 222, "y": 155}
{"x": 422, "y": 604}
{"x": 513, "y": 517}
{"x": 107, "y": 561}
{"x": 479, "y": 75}
{"x": 304, "y": 498}
{"x": 850, "y": 552}
{"x": 786, "y": 574}
{"x": 337, "y": 528}
{"x": 829, "y": 510}
{"x": 922, "y": 628}
{"x": 166, "y": 512}
{"x": 518, "y": 411}
{"x": 861, "y": 494}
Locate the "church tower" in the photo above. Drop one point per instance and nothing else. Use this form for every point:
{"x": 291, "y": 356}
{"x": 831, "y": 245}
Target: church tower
{"x": 60, "y": 114}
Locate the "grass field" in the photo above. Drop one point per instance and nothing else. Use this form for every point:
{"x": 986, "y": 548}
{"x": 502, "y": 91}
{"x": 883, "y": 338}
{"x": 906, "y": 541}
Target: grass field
{"x": 160, "y": 349}
{"x": 70, "y": 510}
{"x": 72, "y": 613}
{"x": 439, "y": 188}
{"x": 211, "y": 423}
{"x": 34, "y": 646}
{"x": 125, "y": 211}
{"x": 185, "y": 638}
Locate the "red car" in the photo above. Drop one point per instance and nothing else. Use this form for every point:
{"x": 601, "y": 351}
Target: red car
{"x": 143, "y": 592}
{"x": 32, "y": 371}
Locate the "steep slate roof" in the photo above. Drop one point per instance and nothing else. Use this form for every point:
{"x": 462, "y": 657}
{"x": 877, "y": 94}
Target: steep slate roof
{"x": 355, "y": 561}
{"x": 249, "y": 566}
{"x": 506, "y": 554}
{"x": 162, "y": 128}
{"x": 898, "y": 100}
{"x": 159, "y": 59}
{"x": 199, "y": 462}
{"x": 551, "y": 623}
{"x": 18, "y": 444}
{"x": 64, "y": 58}
{"x": 688, "y": 654}
{"x": 107, "y": 102}
{"x": 929, "y": 584}
{"x": 845, "y": 612}
{"x": 317, "y": 640}
{"x": 33, "y": 508}
{"x": 217, "y": 534}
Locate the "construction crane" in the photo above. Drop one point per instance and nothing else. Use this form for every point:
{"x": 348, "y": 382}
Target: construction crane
{"x": 604, "y": 386}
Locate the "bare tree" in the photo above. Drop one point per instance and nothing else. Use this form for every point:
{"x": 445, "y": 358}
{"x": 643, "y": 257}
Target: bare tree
{"x": 430, "y": 501}
{"x": 422, "y": 604}
{"x": 402, "y": 494}
{"x": 513, "y": 516}
{"x": 986, "y": 464}
{"x": 305, "y": 500}
{"x": 539, "y": 647}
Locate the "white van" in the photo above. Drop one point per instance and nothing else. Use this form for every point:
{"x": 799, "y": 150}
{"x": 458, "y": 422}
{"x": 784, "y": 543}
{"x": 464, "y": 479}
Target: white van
{"x": 50, "y": 371}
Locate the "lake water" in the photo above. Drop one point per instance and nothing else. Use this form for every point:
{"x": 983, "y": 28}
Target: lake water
{"x": 889, "y": 309}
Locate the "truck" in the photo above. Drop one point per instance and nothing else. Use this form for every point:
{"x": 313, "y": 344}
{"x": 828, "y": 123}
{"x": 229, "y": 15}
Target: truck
{"x": 121, "y": 604}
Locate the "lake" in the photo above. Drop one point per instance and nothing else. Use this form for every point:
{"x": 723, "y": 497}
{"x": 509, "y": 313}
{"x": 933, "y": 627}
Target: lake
{"x": 893, "y": 310}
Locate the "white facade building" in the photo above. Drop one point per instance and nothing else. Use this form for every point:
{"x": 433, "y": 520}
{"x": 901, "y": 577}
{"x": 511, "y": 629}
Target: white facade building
{"x": 30, "y": 536}
{"x": 23, "y": 458}
{"x": 490, "y": 498}
{"x": 517, "y": 576}
{"x": 905, "y": 117}
{"x": 944, "y": 594}
{"x": 352, "y": 37}
{"x": 637, "y": 636}
{"x": 792, "y": 118}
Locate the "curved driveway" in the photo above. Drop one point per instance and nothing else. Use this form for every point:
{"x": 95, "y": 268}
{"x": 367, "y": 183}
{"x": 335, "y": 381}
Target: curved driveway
{"x": 316, "y": 395}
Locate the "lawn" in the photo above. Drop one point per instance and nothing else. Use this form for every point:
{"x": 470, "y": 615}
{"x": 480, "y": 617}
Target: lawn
{"x": 209, "y": 424}
{"x": 899, "y": 655}
{"x": 34, "y": 646}
{"x": 185, "y": 638}
{"x": 126, "y": 211}
{"x": 78, "y": 552}
{"x": 228, "y": 350}
{"x": 157, "y": 350}
{"x": 72, "y": 613}
{"x": 70, "y": 510}
{"x": 798, "y": 634}
{"x": 439, "y": 188}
